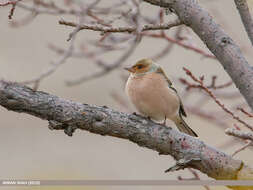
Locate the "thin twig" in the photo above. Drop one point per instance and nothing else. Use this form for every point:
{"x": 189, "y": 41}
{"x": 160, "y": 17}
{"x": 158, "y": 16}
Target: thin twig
{"x": 214, "y": 86}
{"x": 200, "y": 82}
{"x": 245, "y": 112}
{"x": 240, "y": 134}
{"x": 107, "y": 69}
{"x": 9, "y": 3}
{"x": 180, "y": 43}
{"x": 242, "y": 148}
{"x": 12, "y": 11}
{"x": 169, "y": 46}
{"x": 122, "y": 29}
{"x": 54, "y": 66}
{"x": 13, "y": 4}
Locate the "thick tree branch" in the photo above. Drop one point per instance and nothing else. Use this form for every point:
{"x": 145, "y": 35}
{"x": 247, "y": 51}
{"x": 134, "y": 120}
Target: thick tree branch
{"x": 242, "y": 7}
{"x": 68, "y": 115}
{"x": 218, "y": 42}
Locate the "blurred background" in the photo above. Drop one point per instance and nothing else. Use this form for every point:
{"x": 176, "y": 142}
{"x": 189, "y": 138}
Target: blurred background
{"x": 29, "y": 150}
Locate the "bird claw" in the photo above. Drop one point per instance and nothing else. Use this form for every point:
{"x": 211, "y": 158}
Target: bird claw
{"x": 136, "y": 114}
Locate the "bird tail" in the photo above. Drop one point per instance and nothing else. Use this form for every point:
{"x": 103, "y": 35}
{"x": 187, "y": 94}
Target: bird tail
{"x": 183, "y": 127}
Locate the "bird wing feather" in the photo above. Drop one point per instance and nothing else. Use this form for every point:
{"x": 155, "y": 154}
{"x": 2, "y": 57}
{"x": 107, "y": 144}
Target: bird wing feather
{"x": 181, "y": 108}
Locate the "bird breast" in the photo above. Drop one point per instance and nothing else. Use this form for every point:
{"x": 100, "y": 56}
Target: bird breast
{"x": 152, "y": 97}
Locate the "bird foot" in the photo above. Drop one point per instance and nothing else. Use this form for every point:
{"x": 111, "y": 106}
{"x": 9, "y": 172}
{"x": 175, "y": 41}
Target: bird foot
{"x": 134, "y": 113}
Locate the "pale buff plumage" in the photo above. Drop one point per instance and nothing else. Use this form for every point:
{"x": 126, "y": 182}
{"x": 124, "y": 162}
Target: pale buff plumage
{"x": 152, "y": 94}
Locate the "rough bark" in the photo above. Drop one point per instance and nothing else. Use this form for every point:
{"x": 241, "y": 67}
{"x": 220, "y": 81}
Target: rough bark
{"x": 218, "y": 42}
{"x": 68, "y": 116}
{"x": 242, "y": 7}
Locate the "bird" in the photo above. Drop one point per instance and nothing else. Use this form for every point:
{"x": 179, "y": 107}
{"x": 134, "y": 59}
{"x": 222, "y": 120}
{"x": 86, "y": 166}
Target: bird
{"x": 154, "y": 96}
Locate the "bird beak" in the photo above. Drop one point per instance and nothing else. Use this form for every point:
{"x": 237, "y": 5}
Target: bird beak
{"x": 130, "y": 69}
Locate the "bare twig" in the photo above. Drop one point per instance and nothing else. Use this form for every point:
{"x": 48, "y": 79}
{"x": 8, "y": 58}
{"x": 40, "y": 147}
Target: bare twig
{"x": 53, "y": 67}
{"x": 214, "y": 86}
{"x": 13, "y": 4}
{"x": 240, "y": 134}
{"x": 50, "y": 10}
{"x": 65, "y": 56}
{"x": 110, "y": 67}
{"x": 169, "y": 46}
{"x": 106, "y": 69}
{"x": 12, "y": 11}
{"x": 245, "y": 112}
{"x": 122, "y": 29}
{"x": 201, "y": 85}
{"x": 246, "y": 145}
{"x": 211, "y": 86}
{"x": 180, "y": 43}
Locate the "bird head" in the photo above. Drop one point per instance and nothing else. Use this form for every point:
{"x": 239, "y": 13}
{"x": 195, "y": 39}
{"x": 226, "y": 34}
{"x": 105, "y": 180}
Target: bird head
{"x": 142, "y": 66}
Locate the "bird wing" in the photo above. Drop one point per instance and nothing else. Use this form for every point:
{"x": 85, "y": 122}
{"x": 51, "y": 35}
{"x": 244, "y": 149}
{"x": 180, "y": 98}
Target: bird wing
{"x": 181, "y": 108}
{"x": 160, "y": 71}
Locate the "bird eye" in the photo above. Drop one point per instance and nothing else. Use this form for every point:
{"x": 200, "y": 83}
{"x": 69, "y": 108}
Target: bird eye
{"x": 140, "y": 66}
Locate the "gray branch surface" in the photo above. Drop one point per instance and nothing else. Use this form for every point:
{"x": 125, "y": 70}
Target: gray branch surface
{"x": 68, "y": 115}
{"x": 218, "y": 42}
{"x": 242, "y": 7}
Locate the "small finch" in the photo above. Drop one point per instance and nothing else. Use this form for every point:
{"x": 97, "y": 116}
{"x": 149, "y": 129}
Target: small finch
{"x": 153, "y": 95}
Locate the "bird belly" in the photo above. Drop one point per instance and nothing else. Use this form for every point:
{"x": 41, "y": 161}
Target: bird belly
{"x": 154, "y": 100}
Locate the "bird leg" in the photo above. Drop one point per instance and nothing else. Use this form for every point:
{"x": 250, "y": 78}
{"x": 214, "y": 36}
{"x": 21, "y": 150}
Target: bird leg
{"x": 164, "y": 121}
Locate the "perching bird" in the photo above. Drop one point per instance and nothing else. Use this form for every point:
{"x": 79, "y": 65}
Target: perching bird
{"x": 153, "y": 95}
